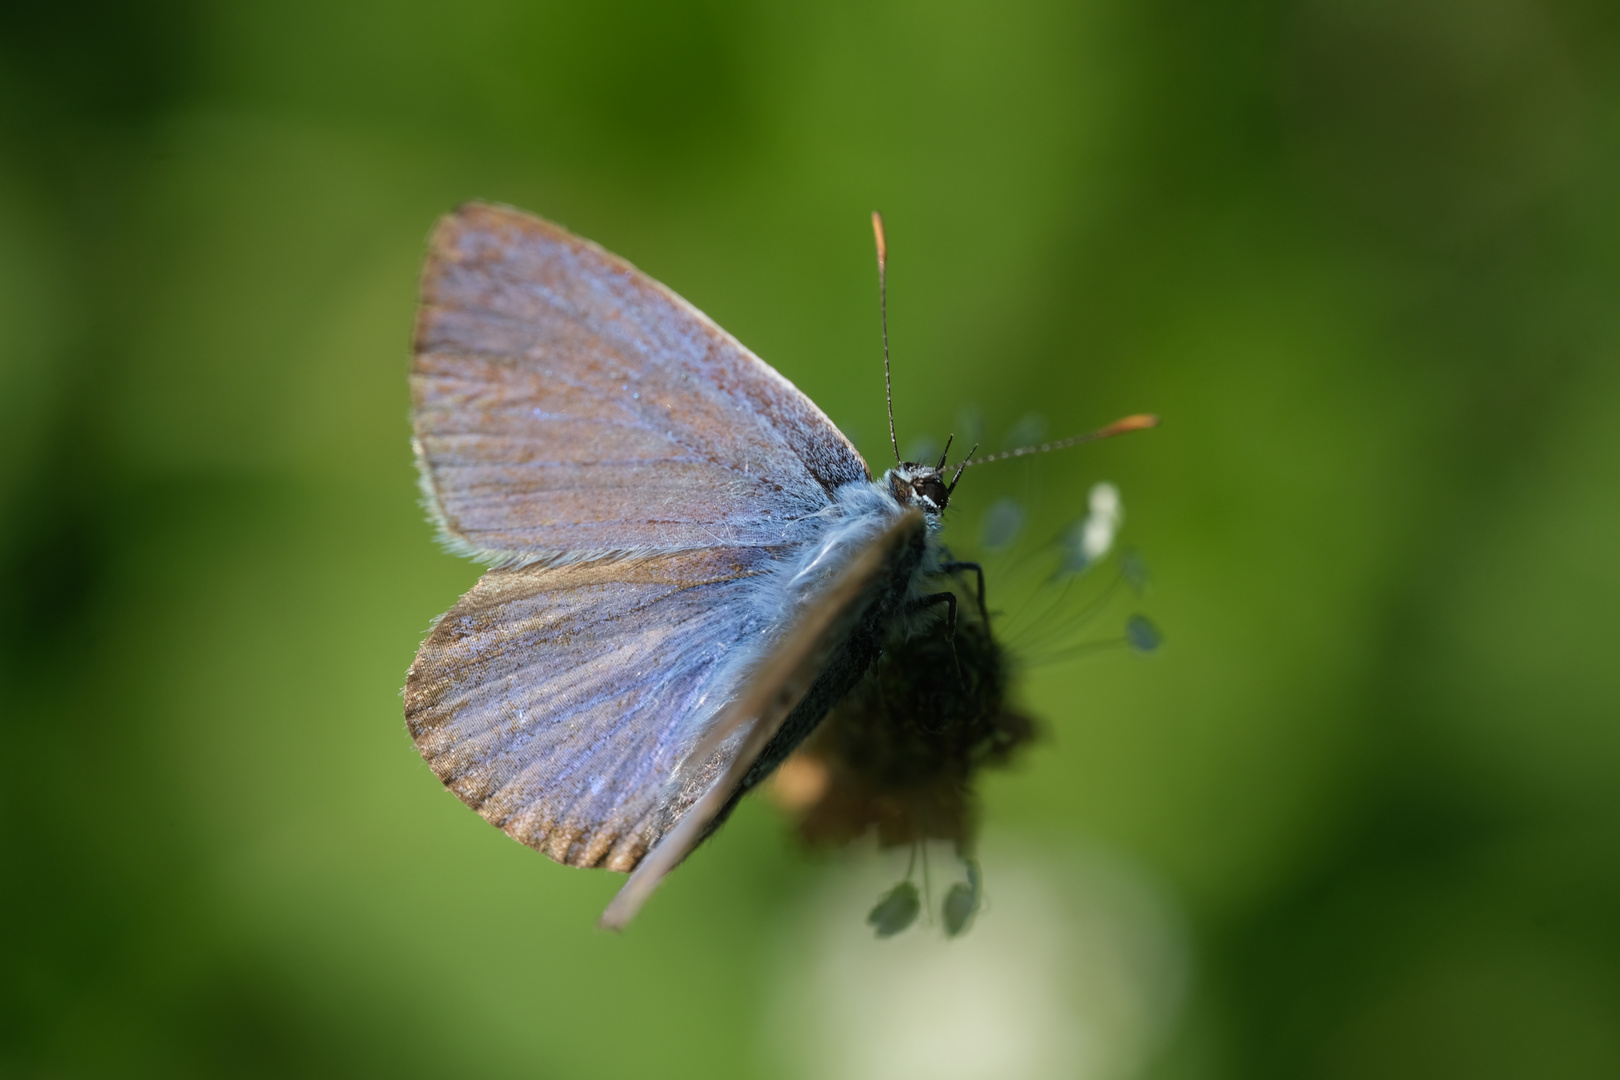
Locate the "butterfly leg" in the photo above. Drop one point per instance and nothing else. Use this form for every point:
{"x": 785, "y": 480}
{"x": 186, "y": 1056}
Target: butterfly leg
{"x": 957, "y": 567}
{"x": 949, "y": 600}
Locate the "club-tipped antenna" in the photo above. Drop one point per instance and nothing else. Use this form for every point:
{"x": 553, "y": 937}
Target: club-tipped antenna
{"x": 883, "y": 318}
{"x": 1140, "y": 422}
{"x": 945, "y": 452}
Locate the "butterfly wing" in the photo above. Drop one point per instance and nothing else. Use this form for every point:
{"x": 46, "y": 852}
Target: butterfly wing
{"x": 559, "y": 701}
{"x": 568, "y": 407}
{"x": 875, "y": 575}
{"x": 587, "y": 710}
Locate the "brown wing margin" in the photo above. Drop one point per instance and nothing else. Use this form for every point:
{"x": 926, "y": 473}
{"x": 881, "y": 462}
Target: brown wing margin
{"x": 765, "y": 703}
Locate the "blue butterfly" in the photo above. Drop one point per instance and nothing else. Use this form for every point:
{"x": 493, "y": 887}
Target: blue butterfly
{"x": 690, "y": 564}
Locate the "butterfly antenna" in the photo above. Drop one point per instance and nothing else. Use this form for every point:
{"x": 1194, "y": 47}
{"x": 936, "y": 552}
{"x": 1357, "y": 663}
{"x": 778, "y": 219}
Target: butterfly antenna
{"x": 883, "y": 317}
{"x": 945, "y": 452}
{"x": 1119, "y": 427}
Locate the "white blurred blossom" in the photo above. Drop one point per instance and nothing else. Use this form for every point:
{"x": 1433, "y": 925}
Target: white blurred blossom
{"x": 1104, "y": 514}
{"x": 1092, "y": 537}
{"x": 1075, "y": 969}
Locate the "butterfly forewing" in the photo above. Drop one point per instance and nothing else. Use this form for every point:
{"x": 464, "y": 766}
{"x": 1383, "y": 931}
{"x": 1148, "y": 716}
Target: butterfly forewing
{"x": 568, "y": 407}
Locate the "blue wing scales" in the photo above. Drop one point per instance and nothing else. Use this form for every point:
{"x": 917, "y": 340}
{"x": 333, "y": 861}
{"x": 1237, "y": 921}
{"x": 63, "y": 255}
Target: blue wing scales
{"x": 568, "y": 407}
{"x": 559, "y": 702}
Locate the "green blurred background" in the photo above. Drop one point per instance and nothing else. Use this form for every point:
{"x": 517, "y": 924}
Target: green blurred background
{"x": 1364, "y": 256}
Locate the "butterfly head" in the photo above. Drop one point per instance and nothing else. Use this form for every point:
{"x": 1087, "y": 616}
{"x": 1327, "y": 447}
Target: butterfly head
{"x": 915, "y": 485}
{"x": 919, "y": 486}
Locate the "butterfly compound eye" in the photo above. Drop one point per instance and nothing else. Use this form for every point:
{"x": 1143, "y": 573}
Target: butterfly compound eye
{"x": 919, "y": 486}
{"x": 932, "y": 488}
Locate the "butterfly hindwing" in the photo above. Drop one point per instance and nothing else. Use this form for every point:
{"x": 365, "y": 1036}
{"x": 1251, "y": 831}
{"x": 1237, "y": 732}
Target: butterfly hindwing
{"x": 568, "y": 407}
{"x": 559, "y": 701}
{"x": 871, "y": 581}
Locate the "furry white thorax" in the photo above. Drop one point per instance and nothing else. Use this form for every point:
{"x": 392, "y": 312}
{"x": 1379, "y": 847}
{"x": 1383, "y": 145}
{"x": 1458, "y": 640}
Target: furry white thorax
{"x": 858, "y": 513}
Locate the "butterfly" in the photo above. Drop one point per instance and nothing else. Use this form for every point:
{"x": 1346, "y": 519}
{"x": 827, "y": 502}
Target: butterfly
{"x": 690, "y": 565}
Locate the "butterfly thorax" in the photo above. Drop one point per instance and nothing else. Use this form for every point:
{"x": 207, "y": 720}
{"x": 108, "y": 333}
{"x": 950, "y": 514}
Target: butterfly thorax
{"x": 918, "y": 486}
